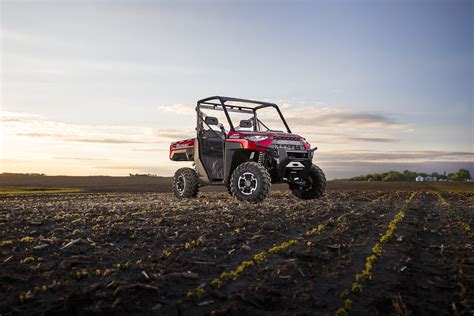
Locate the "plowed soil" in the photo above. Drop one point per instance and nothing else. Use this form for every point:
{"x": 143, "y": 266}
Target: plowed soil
{"x": 148, "y": 253}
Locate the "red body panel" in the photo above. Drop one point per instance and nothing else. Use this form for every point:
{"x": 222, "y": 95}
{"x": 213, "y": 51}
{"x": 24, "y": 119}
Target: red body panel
{"x": 185, "y": 147}
{"x": 267, "y": 142}
{"x": 181, "y": 150}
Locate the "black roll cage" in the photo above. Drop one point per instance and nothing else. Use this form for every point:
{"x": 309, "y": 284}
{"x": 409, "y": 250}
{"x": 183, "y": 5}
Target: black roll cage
{"x": 211, "y": 103}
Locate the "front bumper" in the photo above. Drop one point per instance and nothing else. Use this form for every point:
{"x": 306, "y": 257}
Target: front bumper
{"x": 292, "y": 165}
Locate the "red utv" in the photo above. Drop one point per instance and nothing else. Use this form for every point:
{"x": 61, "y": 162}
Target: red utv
{"x": 245, "y": 145}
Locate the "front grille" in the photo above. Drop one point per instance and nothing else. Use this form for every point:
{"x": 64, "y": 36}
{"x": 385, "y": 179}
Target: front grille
{"x": 298, "y": 155}
{"x": 288, "y": 147}
{"x": 287, "y": 143}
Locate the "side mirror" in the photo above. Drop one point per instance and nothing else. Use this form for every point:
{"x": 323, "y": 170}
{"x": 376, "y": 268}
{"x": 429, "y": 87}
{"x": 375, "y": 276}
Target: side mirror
{"x": 245, "y": 123}
{"x": 210, "y": 120}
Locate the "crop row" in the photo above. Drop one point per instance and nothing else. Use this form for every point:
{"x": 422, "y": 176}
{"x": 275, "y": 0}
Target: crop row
{"x": 463, "y": 225}
{"x": 98, "y": 222}
{"x": 83, "y": 273}
{"x": 262, "y": 256}
{"x": 370, "y": 260}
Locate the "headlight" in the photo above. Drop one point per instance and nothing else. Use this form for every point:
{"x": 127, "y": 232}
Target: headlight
{"x": 256, "y": 138}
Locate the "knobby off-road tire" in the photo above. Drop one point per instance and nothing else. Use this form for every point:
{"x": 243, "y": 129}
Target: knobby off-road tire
{"x": 250, "y": 182}
{"x": 316, "y": 185}
{"x": 185, "y": 183}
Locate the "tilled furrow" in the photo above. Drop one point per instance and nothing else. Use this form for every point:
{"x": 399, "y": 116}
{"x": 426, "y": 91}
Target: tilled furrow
{"x": 283, "y": 270}
{"x": 414, "y": 265}
{"x": 59, "y": 243}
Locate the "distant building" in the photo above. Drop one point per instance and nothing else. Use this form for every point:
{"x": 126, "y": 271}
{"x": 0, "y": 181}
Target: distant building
{"x": 428, "y": 178}
{"x": 419, "y": 179}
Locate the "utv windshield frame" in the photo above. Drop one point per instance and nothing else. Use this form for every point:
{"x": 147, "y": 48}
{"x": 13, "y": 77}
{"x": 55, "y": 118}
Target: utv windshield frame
{"x": 219, "y": 103}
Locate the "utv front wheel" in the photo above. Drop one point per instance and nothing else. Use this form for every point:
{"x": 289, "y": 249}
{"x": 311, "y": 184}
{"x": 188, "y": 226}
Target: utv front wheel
{"x": 185, "y": 183}
{"x": 312, "y": 186}
{"x": 250, "y": 182}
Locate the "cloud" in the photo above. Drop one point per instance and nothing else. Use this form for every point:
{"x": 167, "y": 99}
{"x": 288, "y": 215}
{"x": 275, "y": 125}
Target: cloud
{"x": 150, "y": 149}
{"x": 11, "y": 160}
{"x": 333, "y": 138}
{"x": 339, "y": 157}
{"x": 76, "y": 139}
{"x": 146, "y": 139}
{"x": 79, "y": 158}
{"x": 374, "y": 140}
{"x": 120, "y": 167}
{"x": 161, "y": 170}
{"x": 173, "y": 134}
{"x": 333, "y": 118}
{"x": 354, "y": 118}
{"x": 314, "y": 122}
{"x": 28, "y": 65}
{"x": 32, "y": 126}
{"x": 15, "y": 36}
{"x": 180, "y": 109}
{"x": 6, "y": 117}
{"x": 313, "y": 116}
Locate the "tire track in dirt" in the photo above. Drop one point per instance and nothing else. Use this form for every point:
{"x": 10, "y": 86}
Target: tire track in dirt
{"x": 416, "y": 272}
{"x": 270, "y": 265}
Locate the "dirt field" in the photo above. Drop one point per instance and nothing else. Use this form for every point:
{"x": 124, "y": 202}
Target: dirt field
{"x": 22, "y": 183}
{"x": 365, "y": 251}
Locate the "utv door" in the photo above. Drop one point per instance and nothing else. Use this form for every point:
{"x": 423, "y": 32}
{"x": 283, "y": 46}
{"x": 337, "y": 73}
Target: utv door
{"x": 211, "y": 149}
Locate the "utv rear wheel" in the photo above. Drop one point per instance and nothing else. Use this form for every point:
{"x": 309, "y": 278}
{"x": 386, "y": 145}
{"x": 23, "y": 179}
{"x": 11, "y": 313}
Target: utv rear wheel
{"x": 313, "y": 185}
{"x": 250, "y": 182}
{"x": 185, "y": 183}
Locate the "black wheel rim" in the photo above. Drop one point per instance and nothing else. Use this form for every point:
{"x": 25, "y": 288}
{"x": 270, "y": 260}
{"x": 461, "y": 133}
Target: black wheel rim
{"x": 180, "y": 184}
{"x": 247, "y": 183}
{"x": 306, "y": 185}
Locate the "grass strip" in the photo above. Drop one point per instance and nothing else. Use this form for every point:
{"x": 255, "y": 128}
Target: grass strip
{"x": 371, "y": 259}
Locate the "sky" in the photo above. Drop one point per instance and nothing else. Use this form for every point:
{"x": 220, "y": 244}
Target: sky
{"x": 103, "y": 87}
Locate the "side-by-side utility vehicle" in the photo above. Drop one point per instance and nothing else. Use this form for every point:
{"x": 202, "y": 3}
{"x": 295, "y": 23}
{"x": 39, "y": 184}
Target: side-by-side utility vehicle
{"x": 245, "y": 145}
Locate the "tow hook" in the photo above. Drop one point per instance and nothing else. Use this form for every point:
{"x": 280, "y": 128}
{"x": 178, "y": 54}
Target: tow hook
{"x": 314, "y": 149}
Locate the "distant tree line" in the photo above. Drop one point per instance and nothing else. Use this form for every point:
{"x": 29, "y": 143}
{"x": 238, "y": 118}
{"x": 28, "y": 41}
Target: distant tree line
{"x": 23, "y": 174}
{"x": 142, "y": 175}
{"x": 407, "y": 175}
